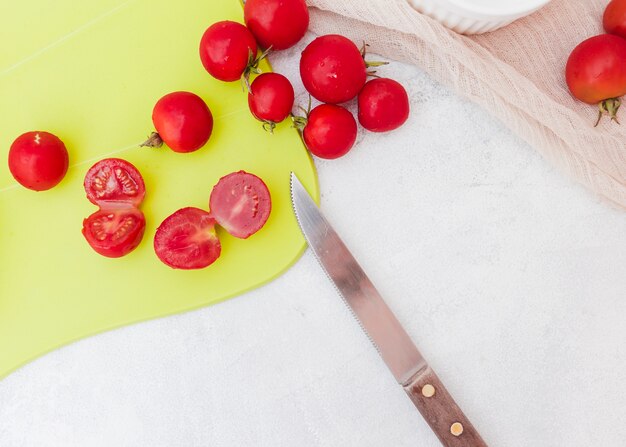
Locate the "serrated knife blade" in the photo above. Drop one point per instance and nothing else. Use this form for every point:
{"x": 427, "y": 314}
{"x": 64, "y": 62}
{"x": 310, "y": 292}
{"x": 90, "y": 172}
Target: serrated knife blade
{"x": 397, "y": 350}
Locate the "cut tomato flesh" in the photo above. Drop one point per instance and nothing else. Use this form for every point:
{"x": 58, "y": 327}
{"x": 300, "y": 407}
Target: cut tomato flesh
{"x": 114, "y": 180}
{"x": 240, "y": 203}
{"x": 114, "y": 232}
{"x": 187, "y": 240}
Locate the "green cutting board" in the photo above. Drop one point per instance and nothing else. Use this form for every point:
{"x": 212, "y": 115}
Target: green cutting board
{"x": 90, "y": 72}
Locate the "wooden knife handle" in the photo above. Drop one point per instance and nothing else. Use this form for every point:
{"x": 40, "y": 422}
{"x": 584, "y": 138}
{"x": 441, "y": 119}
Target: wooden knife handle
{"x": 441, "y": 411}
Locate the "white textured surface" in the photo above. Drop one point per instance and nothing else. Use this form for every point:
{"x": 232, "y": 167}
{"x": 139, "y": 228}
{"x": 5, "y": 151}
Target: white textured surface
{"x": 509, "y": 277}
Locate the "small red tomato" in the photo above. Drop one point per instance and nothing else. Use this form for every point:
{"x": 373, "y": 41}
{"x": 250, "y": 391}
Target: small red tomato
{"x": 38, "y": 160}
{"x": 187, "y": 240}
{"x": 227, "y": 49}
{"x": 332, "y": 69}
{"x": 383, "y": 105}
{"x": 330, "y": 131}
{"x": 271, "y": 98}
{"x": 614, "y": 19}
{"x": 117, "y": 187}
{"x": 114, "y": 180}
{"x": 182, "y": 120}
{"x": 278, "y": 24}
{"x": 114, "y": 232}
{"x": 596, "y": 72}
{"x": 240, "y": 203}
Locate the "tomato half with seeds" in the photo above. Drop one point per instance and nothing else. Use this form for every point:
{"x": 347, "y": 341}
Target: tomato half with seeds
{"x": 240, "y": 203}
{"x": 114, "y": 180}
{"x": 187, "y": 240}
{"x": 114, "y": 232}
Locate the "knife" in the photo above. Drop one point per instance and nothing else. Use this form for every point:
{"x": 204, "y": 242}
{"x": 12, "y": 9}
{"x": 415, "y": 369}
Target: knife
{"x": 399, "y": 353}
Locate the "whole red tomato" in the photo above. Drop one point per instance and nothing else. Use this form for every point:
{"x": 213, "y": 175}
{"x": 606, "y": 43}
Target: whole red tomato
{"x": 614, "y": 19}
{"x": 329, "y": 131}
{"x": 227, "y": 49}
{"x": 271, "y": 99}
{"x": 38, "y": 160}
{"x": 332, "y": 69}
{"x": 278, "y": 24}
{"x": 596, "y": 72}
{"x": 182, "y": 120}
{"x": 383, "y": 105}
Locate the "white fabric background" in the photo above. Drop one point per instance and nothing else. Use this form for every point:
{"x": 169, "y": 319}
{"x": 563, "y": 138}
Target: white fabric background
{"x": 508, "y": 275}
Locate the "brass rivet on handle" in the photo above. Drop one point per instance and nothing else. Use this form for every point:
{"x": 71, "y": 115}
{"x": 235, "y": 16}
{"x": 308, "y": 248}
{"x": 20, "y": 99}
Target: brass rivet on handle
{"x": 456, "y": 429}
{"x": 428, "y": 390}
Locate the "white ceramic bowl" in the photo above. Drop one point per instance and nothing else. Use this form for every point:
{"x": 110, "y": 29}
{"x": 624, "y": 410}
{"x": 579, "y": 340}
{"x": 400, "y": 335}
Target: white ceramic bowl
{"x": 476, "y": 16}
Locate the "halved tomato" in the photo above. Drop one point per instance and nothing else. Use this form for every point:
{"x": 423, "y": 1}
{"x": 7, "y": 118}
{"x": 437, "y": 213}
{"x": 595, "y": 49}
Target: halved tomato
{"x": 114, "y": 180}
{"x": 187, "y": 240}
{"x": 114, "y": 232}
{"x": 240, "y": 203}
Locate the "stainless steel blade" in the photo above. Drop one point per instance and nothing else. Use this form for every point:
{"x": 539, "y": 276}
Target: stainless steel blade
{"x": 377, "y": 320}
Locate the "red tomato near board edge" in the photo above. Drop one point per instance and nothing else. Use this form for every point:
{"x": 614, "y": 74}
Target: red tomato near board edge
{"x": 240, "y": 202}
{"x": 271, "y": 99}
{"x": 182, "y": 121}
{"x": 329, "y": 131}
{"x": 114, "y": 232}
{"x": 187, "y": 240}
{"x": 116, "y": 186}
{"x": 38, "y": 160}
{"x": 228, "y": 50}
{"x": 276, "y": 24}
{"x": 114, "y": 180}
{"x": 383, "y": 105}
{"x": 333, "y": 69}
{"x": 596, "y": 72}
{"x": 614, "y": 18}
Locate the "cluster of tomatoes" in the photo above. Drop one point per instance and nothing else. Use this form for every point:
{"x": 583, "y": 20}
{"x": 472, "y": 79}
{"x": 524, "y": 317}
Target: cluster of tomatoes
{"x": 596, "y": 69}
{"x": 332, "y": 67}
{"x": 333, "y": 70}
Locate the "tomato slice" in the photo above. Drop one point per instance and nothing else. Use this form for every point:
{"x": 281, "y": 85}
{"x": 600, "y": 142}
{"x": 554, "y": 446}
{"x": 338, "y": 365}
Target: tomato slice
{"x": 241, "y": 203}
{"x": 187, "y": 240}
{"x": 114, "y": 180}
{"x": 114, "y": 232}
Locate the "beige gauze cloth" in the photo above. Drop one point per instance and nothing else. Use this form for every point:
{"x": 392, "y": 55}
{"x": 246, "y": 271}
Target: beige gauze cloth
{"x": 516, "y": 73}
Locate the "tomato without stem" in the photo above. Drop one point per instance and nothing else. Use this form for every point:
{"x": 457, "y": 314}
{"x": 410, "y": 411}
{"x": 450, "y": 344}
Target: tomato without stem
{"x": 332, "y": 69}
{"x": 114, "y": 232}
{"x": 271, "y": 99}
{"x": 329, "y": 131}
{"x": 596, "y": 72}
{"x": 114, "y": 180}
{"x": 278, "y": 24}
{"x": 38, "y": 160}
{"x": 116, "y": 186}
{"x": 187, "y": 240}
{"x": 227, "y": 50}
{"x": 182, "y": 121}
{"x": 240, "y": 202}
{"x": 614, "y": 19}
{"x": 383, "y": 105}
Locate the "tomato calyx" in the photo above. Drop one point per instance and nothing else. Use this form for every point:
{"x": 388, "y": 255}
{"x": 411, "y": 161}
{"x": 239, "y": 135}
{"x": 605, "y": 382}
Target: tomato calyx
{"x": 154, "y": 140}
{"x": 609, "y": 107}
{"x": 253, "y": 67}
{"x": 300, "y": 122}
{"x": 369, "y": 64}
